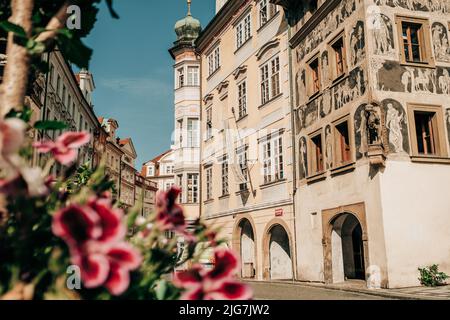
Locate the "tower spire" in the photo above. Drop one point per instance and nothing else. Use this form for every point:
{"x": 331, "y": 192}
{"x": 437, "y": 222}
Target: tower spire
{"x": 189, "y": 7}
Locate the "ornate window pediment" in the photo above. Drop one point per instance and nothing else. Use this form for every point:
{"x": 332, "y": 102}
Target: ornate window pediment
{"x": 239, "y": 70}
{"x": 265, "y": 48}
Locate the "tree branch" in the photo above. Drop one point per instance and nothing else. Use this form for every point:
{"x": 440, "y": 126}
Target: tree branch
{"x": 56, "y": 23}
{"x": 15, "y": 80}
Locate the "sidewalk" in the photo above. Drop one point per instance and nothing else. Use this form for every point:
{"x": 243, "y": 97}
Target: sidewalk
{"x": 413, "y": 293}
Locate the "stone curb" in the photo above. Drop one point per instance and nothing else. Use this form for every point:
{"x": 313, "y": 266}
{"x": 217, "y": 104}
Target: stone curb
{"x": 380, "y": 293}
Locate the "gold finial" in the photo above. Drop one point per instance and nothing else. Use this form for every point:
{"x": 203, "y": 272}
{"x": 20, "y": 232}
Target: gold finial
{"x": 189, "y": 7}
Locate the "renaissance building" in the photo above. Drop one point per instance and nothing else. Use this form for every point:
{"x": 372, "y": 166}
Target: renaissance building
{"x": 372, "y": 120}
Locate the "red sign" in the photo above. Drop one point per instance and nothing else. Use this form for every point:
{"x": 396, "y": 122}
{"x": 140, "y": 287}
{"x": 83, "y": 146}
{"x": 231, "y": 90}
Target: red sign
{"x": 278, "y": 212}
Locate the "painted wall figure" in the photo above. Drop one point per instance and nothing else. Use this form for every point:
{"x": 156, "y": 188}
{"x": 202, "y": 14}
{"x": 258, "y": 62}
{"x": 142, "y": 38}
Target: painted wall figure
{"x": 303, "y": 158}
{"x": 325, "y": 68}
{"x": 440, "y": 42}
{"x": 383, "y": 35}
{"x": 361, "y": 142}
{"x": 396, "y": 125}
{"x": 350, "y": 89}
{"x": 442, "y": 6}
{"x": 329, "y": 147}
{"x": 357, "y": 44}
{"x": 325, "y": 104}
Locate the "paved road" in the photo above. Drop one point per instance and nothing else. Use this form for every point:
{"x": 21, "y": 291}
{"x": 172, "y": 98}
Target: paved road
{"x": 281, "y": 291}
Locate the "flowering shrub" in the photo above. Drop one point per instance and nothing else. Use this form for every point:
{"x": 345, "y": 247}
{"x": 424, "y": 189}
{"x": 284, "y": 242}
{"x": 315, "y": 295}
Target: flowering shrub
{"x": 50, "y": 226}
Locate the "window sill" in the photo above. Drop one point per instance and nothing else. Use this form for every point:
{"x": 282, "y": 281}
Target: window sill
{"x": 208, "y": 201}
{"x": 242, "y": 118}
{"x": 272, "y": 183}
{"x": 243, "y": 44}
{"x": 271, "y": 100}
{"x": 261, "y": 27}
{"x": 339, "y": 78}
{"x": 213, "y": 74}
{"x": 428, "y": 64}
{"x": 187, "y": 86}
{"x": 314, "y": 96}
{"x": 225, "y": 196}
{"x": 316, "y": 177}
{"x": 430, "y": 159}
{"x": 238, "y": 193}
{"x": 343, "y": 168}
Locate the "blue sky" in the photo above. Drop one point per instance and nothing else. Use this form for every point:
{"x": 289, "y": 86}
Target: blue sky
{"x": 133, "y": 70}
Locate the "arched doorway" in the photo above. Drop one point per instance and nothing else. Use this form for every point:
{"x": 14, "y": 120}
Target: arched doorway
{"x": 347, "y": 248}
{"x": 280, "y": 259}
{"x": 247, "y": 249}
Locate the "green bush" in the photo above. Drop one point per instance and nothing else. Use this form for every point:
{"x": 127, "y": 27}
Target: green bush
{"x": 431, "y": 277}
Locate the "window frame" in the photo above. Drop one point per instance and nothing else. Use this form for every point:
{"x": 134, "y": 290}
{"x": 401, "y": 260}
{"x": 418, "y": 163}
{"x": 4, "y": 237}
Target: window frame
{"x": 424, "y": 40}
{"x": 209, "y": 123}
{"x": 181, "y": 78}
{"x": 225, "y": 176}
{"x": 242, "y": 99}
{"x": 193, "y": 79}
{"x": 243, "y": 30}
{"x": 337, "y": 161}
{"x": 208, "y": 181}
{"x": 440, "y": 139}
{"x": 332, "y": 63}
{"x": 214, "y": 60}
{"x": 193, "y": 188}
{"x": 272, "y": 159}
{"x": 310, "y": 81}
{"x": 268, "y": 72}
{"x": 313, "y": 161}
{"x": 192, "y": 128}
{"x": 271, "y": 11}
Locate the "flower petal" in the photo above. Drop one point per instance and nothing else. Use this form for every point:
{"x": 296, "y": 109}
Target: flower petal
{"x": 193, "y": 295}
{"x": 44, "y": 146}
{"x": 225, "y": 265}
{"x": 118, "y": 279}
{"x": 65, "y": 157}
{"x": 189, "y": 278}
{"x": 74, "y": 140}
{"x": 111, "y": 220}
{"x": 94, "y": 270}
{"x": 231, "y": 291}
{"x": 125, "y": 255}
{"x": 76, "y": 223}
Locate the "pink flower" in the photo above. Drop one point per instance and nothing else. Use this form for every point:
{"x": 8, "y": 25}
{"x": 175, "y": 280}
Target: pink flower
{"x": 12, "y": 135}
{"x": 64, "y": 149}
{"x": 170, "y": 215}
{"x": 216, "y": 284}
{"x": 95, "y": 235}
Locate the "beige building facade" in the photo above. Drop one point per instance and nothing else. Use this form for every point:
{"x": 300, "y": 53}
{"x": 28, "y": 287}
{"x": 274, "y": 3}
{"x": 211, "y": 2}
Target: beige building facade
{"x": 246, "y": 146}
{"x": 372, "y": 134}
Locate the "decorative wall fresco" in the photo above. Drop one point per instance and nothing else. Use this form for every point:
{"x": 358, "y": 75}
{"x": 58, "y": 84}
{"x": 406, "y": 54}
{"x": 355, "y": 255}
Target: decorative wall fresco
{"x": 397, "y": 78}
{"x": 440, "y": 42}
{"x": 310, "y": 113}
{"x": 300, "y": 86}
{"x": 328, "y": 147}
{"x": 382, "y": 35}
{"x": 357, "y": 44}
{"x": 325, "y": 103}
{"x": 360, "y": 121}
{"x": 325, "y": 66}
{"x": 447, "y": 121}
{"x": 396, "y": 125}
{"x": 442, "y": 6}
{"x": 328, "y": 25}
{"x": 303, "y": 158}
{"x": 349, "y": 89}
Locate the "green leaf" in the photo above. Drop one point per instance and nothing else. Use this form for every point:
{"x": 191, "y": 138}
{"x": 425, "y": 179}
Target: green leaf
{"x": 161, "y": 290}
{"x": 35, "y": 47}
{"x": 75, "y": 51}
{"x": 24, "y": 114}
{"x": 50, "y": 125}
{"x": 14, "y": 28}
{"x": 111, "y": 9}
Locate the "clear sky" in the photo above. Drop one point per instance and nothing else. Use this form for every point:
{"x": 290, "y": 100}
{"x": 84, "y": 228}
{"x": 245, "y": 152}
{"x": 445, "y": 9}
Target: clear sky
{"x": 133, "y": 70}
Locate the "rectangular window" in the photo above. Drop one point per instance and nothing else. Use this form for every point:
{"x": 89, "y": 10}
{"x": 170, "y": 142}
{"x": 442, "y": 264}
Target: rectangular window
{"x": 209, "y": 123}
{"x": 242, "y": 161}
{"x": 209, "y": 183}
{"x": 225, "y": 189}
{"x": 192, "y": 188}
{"x": 316, "y": 154}
{"x": 243, "y": 31}
{"x": 214, "y": 60}
{"x": 63, "y": 98}
{"x": 314, "y": 77}
{"x": 192, "y": 133}
{"x": 339, "y": 66}
{"x": 69, "y": 104}
{"x": 273, "y": 163}
{"x": 266, "y": 12}
{"x": 270, "y": 80}
{"x": 180, "y": 132}
{"x": 242, "y": 99}
{"x": 415, "y": 39}
{"x": 180, "y": 73}
{"x": 342, "y": 143}
{"x": 193, "y": 76}
{"x": 58, "y": 85}
{"x": 427, "y": 131}
{"x": 267, "y": 162}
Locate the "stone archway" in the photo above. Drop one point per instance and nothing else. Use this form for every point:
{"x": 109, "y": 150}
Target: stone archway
{"x": 345, "y": 243}
{"x": 278, "y": 257}
{"x": 244, "y": 244}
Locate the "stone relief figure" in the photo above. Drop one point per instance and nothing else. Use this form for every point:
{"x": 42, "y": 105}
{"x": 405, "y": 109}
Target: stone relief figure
{"x": 357, "y": 43}
{"x": 396, "y": 125}
{"x": 328, "y": 147}
{"x": 440, "y": 42}
{"x": 304, "y": 158}
{"x": 373, "y": 124}
{"x": 350, "y": 89}
{"x": 444, "y": 82}
{"x": 325, "y": 68}
{"x": 325, "y": 106}
{"x": 418, "y": 5}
